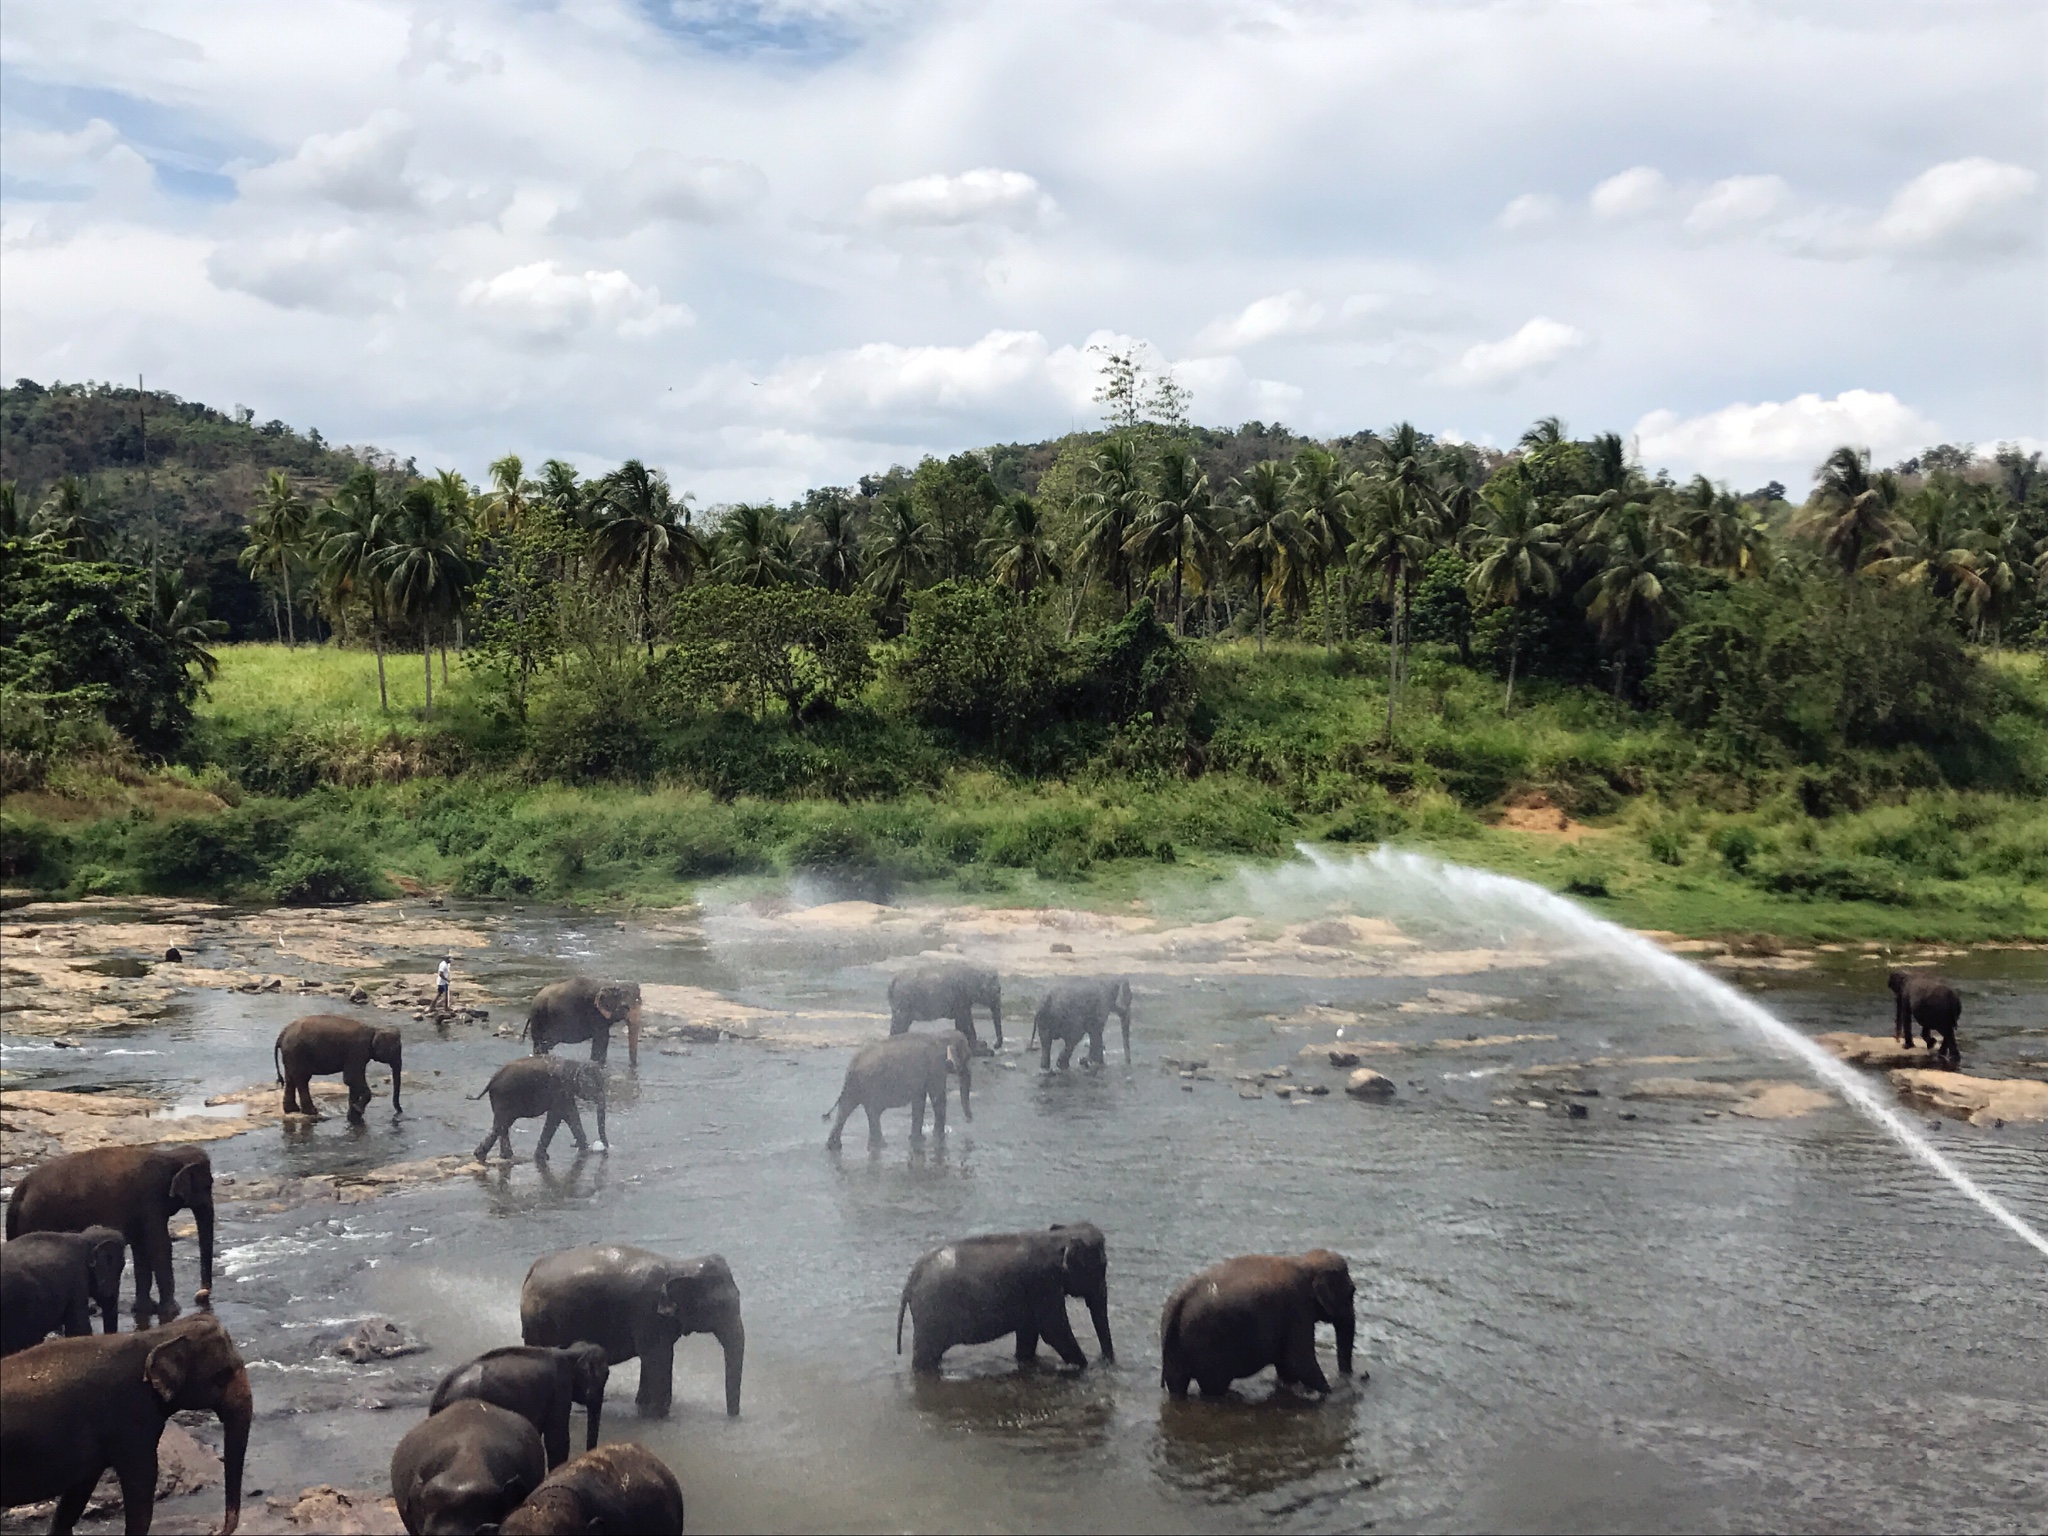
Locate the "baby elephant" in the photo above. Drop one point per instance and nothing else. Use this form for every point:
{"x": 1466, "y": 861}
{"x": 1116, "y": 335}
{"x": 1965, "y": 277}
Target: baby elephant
{"x": 1079, "y": 1010}
{"x": 623, "y": 1487}
{"x": 1236, "y": 1318}
{"x": 50, "y": 1281}
{"x": 536, "y": 1383}
{"x": 947, "y": 989}
{"x": 1934, "y": 1004}
{"x": 333, "y": 1042}
{"x": 904, "y": 1069}
{"x": 465, "y": 1469}
{"x": 981, "y": 1288}
{"x": 542, "y": 1085}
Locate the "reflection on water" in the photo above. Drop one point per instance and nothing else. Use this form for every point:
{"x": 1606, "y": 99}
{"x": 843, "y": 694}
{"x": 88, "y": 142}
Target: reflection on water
{"x": 1645, "y": 1318}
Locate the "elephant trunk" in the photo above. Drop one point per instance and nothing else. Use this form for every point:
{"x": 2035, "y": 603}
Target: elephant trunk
{"x": 202, "y": 1216}
{"x": 1098, "y": 1312}
{"x": 732, "y": 1337}
{"x": 596, "y": 1406}
{"x": 397, "y": 1070}
{"x": 633, "y": 1036}
{"x": 1347, "y": 1329}
{"x": 966, "y": 1086}
{"x": 603, "y": 1140}
{"x": 995, "y": 1014}
{"x": 237, "y": 1408}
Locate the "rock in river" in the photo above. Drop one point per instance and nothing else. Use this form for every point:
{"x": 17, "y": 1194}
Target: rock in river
{"x": 1368, "y": 1084}
{"x": 1979, "y": 1100}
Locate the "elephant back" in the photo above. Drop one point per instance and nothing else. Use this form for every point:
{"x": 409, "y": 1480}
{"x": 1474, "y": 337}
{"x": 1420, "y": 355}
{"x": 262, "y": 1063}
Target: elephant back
{"x": 589, "y": 1295}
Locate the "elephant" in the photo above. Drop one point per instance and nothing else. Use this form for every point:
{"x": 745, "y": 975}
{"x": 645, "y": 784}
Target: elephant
{"x": 536, "y": 1383}
{"x": 541, "y": 1085}
{"x": 947, "y": 989}
{"x": 49, "y": 1282}
{"x": 134, "y": 1190}
{"x": 1934, "y": 1004}
{"x": 1236, "y": 1318}
{"x": 332, "y": 1042}
{"x": 72, "y": 1408}
{"x": 904, "y": 1069}
{"x": 1080, "y": 1009}
{"x": 981, "y": 1288}
{"x": 623, "y": 1487}
{"x": 631, "y": 1302}
{"x": 566, "y": 1012}
{"x": 465, "y": 1468}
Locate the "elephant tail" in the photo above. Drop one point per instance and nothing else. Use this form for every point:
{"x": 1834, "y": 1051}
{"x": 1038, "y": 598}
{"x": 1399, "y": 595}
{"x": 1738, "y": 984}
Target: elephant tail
{"x": 1169, "y": 1330}
{"x": 902, "y": 1307}
{"x": 277, "y": 1057}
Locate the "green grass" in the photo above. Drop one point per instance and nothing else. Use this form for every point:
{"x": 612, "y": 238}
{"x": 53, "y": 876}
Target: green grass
{"x": 1293, "y": 752}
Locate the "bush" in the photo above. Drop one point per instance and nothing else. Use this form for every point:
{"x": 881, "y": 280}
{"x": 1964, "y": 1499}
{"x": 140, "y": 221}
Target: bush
{"x": 205, "y": 856}
{"x": 1737, "y": 845}
{"x": 32, "y": 852}
{"x": 1832, "y": 879}
{"x": 308, "y": 878}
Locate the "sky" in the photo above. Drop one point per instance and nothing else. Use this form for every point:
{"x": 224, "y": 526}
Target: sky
{"x": 771, "y": 244}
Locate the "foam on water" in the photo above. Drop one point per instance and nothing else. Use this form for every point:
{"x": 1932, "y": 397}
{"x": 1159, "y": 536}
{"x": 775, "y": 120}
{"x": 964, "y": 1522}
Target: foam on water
{"x": 1408, "y": 885}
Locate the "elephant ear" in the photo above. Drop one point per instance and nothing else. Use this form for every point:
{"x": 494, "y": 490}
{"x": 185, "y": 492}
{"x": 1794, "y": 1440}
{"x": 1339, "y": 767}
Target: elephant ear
{"x": 109, "y": 1260}
{"x": 1330, "y": 1284}
{"x": 170, "y": 1366}
{"x": 187, "y": 1181}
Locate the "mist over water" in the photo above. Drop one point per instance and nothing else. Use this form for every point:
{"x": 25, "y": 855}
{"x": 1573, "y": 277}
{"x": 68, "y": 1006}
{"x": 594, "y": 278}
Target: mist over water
{"x": 1654, "y": 1317}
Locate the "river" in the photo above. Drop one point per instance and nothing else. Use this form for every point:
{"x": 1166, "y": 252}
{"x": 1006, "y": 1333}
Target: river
{"x": 1665, "y": 1314}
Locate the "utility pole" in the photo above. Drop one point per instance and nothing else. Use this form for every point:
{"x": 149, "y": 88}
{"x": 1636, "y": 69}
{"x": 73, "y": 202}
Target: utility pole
{"x": 148, "y": 491}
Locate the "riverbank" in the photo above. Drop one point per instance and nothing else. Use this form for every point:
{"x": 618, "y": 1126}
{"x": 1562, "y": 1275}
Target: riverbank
{"x": 300, "y": 789}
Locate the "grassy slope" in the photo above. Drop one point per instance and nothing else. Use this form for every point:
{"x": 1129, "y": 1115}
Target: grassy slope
{"x": 1293, "y": 755}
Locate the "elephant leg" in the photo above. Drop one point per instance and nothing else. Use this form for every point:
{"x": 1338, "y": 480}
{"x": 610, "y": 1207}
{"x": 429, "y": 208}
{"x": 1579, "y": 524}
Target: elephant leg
{"x": 600, "y": 1043}
{"x": 1027, "y": 1344}
{"x": 358, "y": 1080}
{"x": 874, "y": 1126}
{"x": 899, "y": 1021}
{"x": 939, "y": 1107}
{"x": 547, "y": 1134}
{"x": 1067, "y": 1044}
{"x": 166, "y": 1284}
{"x": 1215, "y": 1386}
{"x": 927, "y": 1349}
{"x": 1044, "y": 1051}
{"x": 1298, "y": 1365}
{"x": 483, "y": 1148}
{"x": 1175, "y": 1376}
{"x": 72, "y": 1505}
{"x": 139, "y": 1251}
{"x": 846, "y": 1107}
{"x": 1095, "y": 1046}
{"x": 917, "y": 1115}
{"x": 1059, "y": 1333}
{"x": 557, "y": 1436}
{"x": 657, "y": 1380}
{"x": 138, "y": 1491}
{"x": 575, "y": 1123}
{"x": 964, "y": 1022}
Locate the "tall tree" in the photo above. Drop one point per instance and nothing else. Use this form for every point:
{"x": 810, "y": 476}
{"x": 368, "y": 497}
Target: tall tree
{"x": 1518, "y": 554}
{"x": 1019, "y": 548}
{"x": 901, "y": 550}
{"x": 1266, "y": 535}
{"x": 1631, "y": 601}
{"x": 1851, "y": 510}
{"x": 642, "y": 527}
{"x": 1396, "y": 534}
{"x": 422, "y": 569}
{"x": 831, "y": 544}
{"x": 1110, "y": 508}
{"x": 66, "y": 521}
{"x": 1178, "y": 531}
{"x": 177, "y": 616}
{"x": 1932, "y": 543}
{"x": 353, "y": 529}
{"x": 753, "y": 548}
{"x": 277, "y": 542}
{"x": 1326, "y": 499}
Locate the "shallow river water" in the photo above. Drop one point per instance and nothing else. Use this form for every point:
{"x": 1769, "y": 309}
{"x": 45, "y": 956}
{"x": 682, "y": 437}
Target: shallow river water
{"x": 1673, "y": 1320}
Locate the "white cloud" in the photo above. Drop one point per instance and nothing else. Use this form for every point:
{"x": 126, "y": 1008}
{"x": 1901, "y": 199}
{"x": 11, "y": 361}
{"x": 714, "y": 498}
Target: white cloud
{"x": 542, "y": 300}
{"x": 336, "y": 270}
{"x": 1636, "y": 191}
{"x": 1292, "y": 313}
{"x": 883, "y": 382}
{"x": 1532, "y": 210}
{"x": 984, "y": 196}
{"x": 1786, "y": 438}
{"x": 1536, "y": 347}
{"x": 661, "y": 184}
{"x": 362, "y": 168}
{"x": 1954, "y": 201}
{"x": 1738, "y": 202}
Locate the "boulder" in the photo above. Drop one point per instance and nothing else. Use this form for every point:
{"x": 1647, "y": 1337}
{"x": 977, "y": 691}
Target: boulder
{"x": 377, "y": 1338}
{"x": 1342, "y": 1058}
{"x": 1979, "y": 1100}
{"x": 1368, "y": 1084}
{"x": 174, "y": 955}
{"x": 357, "y": 996}
{"x": 339, "y": 1512}
{"x": 1880, "y": 1051}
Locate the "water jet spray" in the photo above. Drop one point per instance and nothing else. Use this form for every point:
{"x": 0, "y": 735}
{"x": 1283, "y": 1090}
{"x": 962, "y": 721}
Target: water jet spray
{"x": 1469, "y": 895}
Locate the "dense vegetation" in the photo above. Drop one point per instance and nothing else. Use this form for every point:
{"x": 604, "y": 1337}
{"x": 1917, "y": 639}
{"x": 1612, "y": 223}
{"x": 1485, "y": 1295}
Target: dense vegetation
{"x": 1151, "y": 643}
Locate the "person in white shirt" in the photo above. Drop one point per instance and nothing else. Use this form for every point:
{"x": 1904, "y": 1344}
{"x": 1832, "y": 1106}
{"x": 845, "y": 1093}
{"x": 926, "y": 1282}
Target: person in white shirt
{"x": 441, "y": 983}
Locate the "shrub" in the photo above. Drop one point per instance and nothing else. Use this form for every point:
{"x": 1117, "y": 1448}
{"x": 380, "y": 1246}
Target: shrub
{"x": 1737, "y": 845}
{"x": 206, "y": 856}
{"x": 309, "y": 878}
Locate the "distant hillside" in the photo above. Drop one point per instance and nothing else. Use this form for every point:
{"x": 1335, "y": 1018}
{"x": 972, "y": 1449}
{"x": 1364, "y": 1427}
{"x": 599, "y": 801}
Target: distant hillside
{"x": 203, "y": 470}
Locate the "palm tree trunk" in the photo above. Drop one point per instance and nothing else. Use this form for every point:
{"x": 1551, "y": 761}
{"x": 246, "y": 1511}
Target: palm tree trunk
{"x": 290, "y": 627}
{"x": 383, "y": 694}
{"x": 1514, "y": 655}
{"x": 444, "y": 661}
{"x": 1180, "y": 612}
{"x": 646, "y": 577}
{"x": 1259, "y": 597}
{"x": 427, "y": 657}
{"x": 1326, "y": 608}
{"x": 276, "y": 623}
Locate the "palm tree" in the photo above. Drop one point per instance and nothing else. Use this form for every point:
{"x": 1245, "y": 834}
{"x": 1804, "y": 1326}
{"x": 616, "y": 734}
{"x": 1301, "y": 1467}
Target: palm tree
{"x": 643, "y": 526}
{"x": 277, "y": 542}
{"x": 754, "y": 548}
{"x": 1933, "y": 548}
{"x": 177, "y": 617}
{"x": 65, "y": 521}
{"x": 353, "y": 529}
{"x": 1325, "y": 500}
{"x": 902, "y": 548}
{"x": 1851, "y": 510}
{"x": 10, "y": 510}
{"x": 832, "y": 544}
{"x": 1266, "y": 535}
{"x": 506, "y": 506}
{"x": 568, "y": 498}
{"x": 1519, "y": 550}
{"x": 422, "y": 569}
{"x": 1019, "y": 549}
{"x": 1630, "y": 600}
{"x": 1397, "y": 533}
{"x": 2000, "y": 546}
{"x": 1109, "y": 509}
{"x": 1179, "y": 529}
